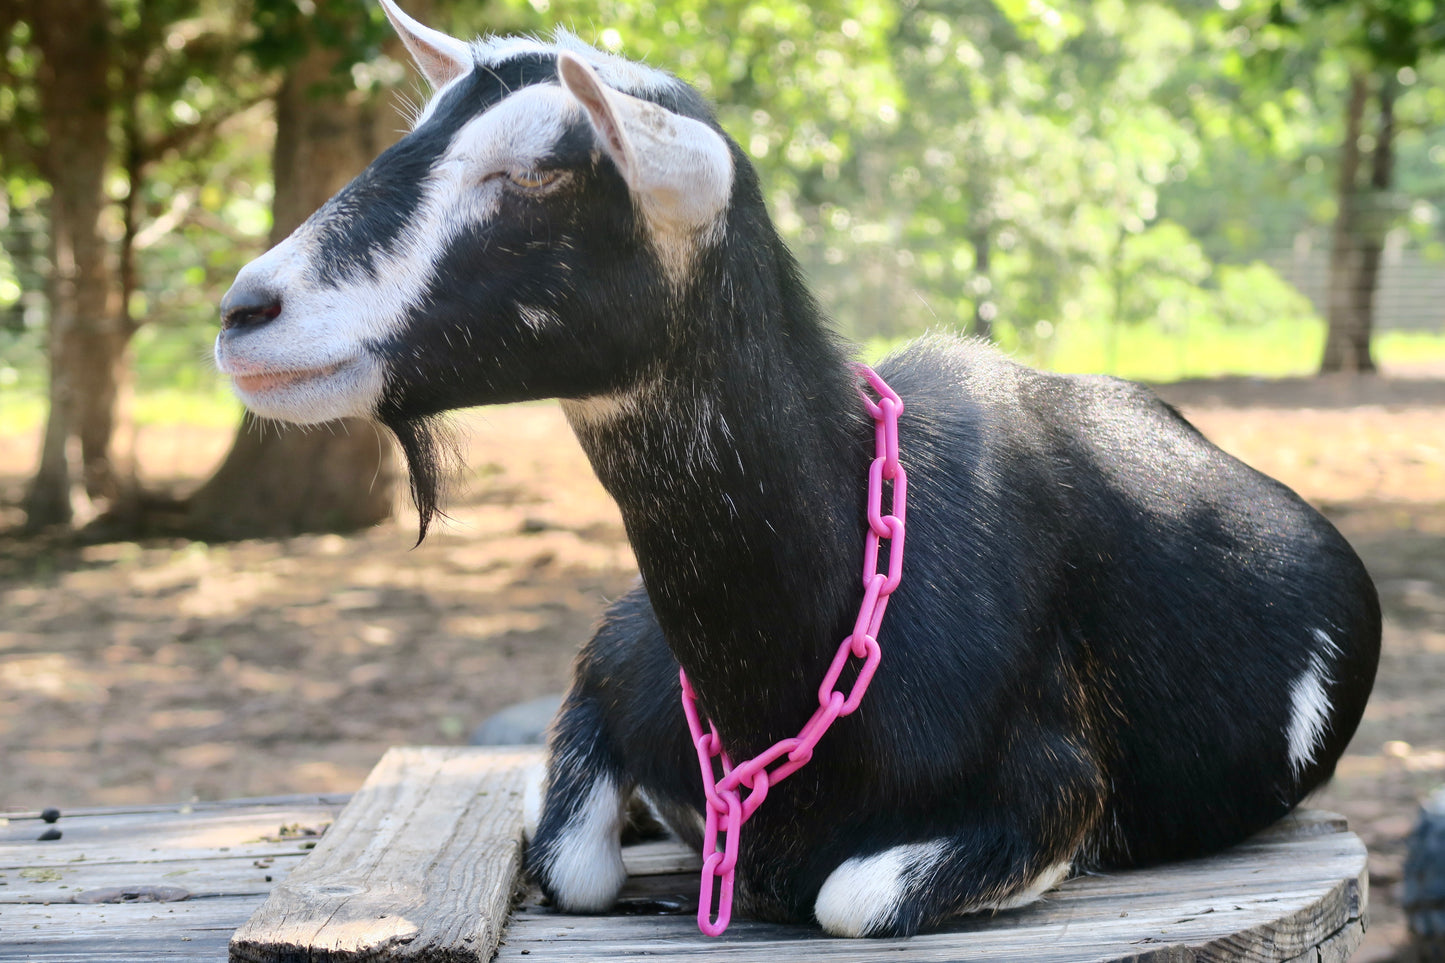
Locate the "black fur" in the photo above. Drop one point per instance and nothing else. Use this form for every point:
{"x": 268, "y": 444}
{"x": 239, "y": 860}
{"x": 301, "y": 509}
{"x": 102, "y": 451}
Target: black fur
{"x": 1091, "y": 656}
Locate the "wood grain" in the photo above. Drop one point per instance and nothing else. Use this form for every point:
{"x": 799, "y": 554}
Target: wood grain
{"x": 1296, "y": 891}
{"x": 421, "y": 865}
{"x": 226, "y": 854}
{"x": 1294, "y": 894}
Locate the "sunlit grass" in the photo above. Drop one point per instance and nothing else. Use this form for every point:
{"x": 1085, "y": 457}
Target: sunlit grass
{"x": 1202, "y": 350}
{"x": 23, "y": 410}
{"x": 214, "y": 408}
{"x": 1409, "y": 347}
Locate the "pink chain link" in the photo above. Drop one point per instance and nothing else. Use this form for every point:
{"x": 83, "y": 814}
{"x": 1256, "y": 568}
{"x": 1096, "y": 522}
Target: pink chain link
{"x": 727, "y": 810}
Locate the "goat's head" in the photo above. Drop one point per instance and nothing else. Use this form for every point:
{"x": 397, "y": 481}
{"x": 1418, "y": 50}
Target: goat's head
{"x": 523, "y": 241}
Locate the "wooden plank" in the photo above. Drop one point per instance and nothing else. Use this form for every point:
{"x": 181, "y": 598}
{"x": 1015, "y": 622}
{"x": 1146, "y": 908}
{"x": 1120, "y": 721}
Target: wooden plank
{"x": 179, "y": 835}
{"x": 1270, "y": 899}
{"x": 1296, "y": 890}
{"x": 222, "y": 875}
{"x": 421, "y": 865}
{"x": 656, "y": 857}
{"x": 1338, "y": 948}
{"x": 211, "y": 850}
{"x": 327, "y": 800}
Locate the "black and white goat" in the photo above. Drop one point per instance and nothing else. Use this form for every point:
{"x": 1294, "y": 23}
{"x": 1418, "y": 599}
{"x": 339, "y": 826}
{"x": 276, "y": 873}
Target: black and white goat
{"x": 1114, "y": 645}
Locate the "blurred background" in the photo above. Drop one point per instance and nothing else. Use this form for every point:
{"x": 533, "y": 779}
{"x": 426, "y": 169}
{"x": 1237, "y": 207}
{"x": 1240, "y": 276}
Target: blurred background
{"x": 1238, "y": 201}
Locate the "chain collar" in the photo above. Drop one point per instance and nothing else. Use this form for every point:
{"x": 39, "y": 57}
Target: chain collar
{"x": 727, "y": 809}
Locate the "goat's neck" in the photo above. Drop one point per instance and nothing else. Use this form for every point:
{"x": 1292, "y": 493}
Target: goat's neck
{"x": 741, "y": 479}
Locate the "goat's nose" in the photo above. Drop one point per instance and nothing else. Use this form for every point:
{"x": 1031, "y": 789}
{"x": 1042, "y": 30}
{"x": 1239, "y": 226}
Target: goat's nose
{"x": 248, "y": 306}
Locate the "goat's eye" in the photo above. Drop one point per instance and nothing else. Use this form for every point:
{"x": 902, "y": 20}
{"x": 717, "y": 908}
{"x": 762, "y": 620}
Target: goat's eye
{"x": 534, "y": 179}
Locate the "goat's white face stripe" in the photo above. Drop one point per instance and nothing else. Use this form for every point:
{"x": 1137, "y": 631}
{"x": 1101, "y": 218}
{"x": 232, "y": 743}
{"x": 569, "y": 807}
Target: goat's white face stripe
{"x": 325, "y": 324}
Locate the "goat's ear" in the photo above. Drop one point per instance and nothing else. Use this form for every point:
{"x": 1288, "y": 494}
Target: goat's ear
{"x": 441, "y": 58}
{"x": 679, "y": 168}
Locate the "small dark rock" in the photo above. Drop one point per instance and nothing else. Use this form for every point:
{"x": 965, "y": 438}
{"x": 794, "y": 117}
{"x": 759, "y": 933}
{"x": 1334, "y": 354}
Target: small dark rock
{"x": 133, "y": 894}
{"x": 50, "y": 814}
{"x": 48, "y": 835}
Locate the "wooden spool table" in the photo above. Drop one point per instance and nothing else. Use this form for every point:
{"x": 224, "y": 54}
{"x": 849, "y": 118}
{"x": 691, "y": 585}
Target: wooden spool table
{"x": 421, "y": 864}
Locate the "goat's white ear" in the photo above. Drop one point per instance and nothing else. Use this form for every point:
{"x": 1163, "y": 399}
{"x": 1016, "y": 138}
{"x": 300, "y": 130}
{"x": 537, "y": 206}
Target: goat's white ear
{"x": 441, "y": 58}
{"x": 680, "y": 168}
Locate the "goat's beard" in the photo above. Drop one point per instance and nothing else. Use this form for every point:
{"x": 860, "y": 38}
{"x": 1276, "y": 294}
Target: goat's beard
{"x": 432, "y": 454}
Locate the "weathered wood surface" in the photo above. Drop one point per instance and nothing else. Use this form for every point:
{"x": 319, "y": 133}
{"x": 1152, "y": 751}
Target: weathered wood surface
{"x": 1295, "y": 894}
{"x": 421, "y": 865}
{"x": 226, "y": 856}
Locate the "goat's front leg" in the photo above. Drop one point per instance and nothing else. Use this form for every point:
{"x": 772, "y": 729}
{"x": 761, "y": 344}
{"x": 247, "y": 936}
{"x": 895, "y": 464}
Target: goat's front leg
{"x": 575, "y": 855}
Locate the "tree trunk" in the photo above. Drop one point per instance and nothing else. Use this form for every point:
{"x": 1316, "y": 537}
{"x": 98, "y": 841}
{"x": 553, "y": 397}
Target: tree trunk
{"x": 278, "y": 479}
{"x": 984, "y": 310}
{"x": 1375, "y": 218}
{"x": 88, "y": 339}
{"x": 1347, "y": 341}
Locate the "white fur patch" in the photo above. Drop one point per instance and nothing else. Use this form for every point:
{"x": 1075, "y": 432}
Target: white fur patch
{"x": 586, "y": 870}
{"x": 865, "y": 892}
{"x": 1310, "y": 706}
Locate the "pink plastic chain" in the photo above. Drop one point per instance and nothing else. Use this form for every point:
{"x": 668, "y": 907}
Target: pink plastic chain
{"x": 726, "y": 809}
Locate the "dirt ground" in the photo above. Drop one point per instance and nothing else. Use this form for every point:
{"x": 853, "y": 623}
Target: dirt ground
{"x": 171, "y": 671}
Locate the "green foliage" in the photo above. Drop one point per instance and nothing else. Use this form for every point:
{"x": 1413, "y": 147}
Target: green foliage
{"x": 1073, "y": 172}
{"x": 282, "y": 31}
{"x": 1255, "y": 296}
{"x": 1391, "y": 33}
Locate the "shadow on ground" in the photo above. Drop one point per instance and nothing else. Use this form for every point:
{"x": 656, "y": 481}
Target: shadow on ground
{"x": 172, "y": 670}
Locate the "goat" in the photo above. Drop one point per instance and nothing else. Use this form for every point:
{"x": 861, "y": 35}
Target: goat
{"x": 1115, "y": 644}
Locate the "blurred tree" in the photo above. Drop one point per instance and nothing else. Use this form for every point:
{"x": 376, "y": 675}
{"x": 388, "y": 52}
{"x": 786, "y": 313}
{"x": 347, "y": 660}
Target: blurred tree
{"x": 334, "y": 113}
{"x": 70, "y": 148}
{"x": 98, "y": 102}
{"x": 119, "y": 108}
{"x": 1377, "y": 39}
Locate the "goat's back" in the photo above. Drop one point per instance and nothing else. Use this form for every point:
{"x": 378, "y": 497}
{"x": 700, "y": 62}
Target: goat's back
{"x": 1079, "y": 555}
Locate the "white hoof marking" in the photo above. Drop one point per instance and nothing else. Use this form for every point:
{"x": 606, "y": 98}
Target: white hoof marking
{"x": 865, "y": 892}
{"x": 587, "y": 872}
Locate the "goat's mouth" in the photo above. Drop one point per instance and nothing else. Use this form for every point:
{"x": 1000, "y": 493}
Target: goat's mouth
{"x": 263, "y": 382}
{"x": 349, "y": 388}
